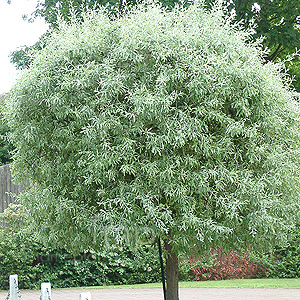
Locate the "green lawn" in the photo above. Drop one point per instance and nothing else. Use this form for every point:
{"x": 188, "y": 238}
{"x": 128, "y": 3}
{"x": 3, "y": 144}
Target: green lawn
{"x": 235, "y": 283}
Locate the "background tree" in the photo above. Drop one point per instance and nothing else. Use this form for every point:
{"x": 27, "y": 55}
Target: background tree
{"x": 5, "y": 146}
{"x": 278, "y": 21}
{"x": 157, "y": 124}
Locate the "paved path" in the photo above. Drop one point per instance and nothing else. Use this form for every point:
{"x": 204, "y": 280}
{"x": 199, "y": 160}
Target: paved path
{"x": 156, "y": 294}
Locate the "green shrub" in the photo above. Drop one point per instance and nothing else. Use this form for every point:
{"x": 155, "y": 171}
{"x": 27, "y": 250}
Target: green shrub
{"x": 35, "y": 264}
{"x": 285, "y": 262}
{"x": 5, "y": 146}
{"x": 117, "y": 266}
{"x": 17, "y": 256}
{"x": 21, "y": 254}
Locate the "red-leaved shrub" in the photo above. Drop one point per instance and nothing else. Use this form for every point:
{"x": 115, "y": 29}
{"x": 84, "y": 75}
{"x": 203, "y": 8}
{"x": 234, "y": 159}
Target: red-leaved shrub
{"x": 218, "y": 265}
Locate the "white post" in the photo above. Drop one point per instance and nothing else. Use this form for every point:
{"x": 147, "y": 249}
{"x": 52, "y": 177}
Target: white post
{"x": 13, "y": 287}
{"x": 46, "y": 291}
{"x": 85, "y": 296}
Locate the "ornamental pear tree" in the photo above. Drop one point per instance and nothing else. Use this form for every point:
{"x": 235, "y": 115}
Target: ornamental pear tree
{"x": 157, "y": 124}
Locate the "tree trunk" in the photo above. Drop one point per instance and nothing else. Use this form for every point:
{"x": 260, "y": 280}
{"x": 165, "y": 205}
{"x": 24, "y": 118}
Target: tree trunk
{"x": 171, "y": 272}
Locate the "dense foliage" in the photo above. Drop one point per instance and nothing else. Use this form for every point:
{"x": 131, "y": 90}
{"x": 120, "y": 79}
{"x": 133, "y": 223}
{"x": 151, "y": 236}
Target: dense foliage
{"x": 277, "y": 21}
{"x": 285, "y": 263}
{"x": 220, "y": 265}
{"x": 155, "y": 123}
{"x": 282, "y": 262}
{"x": 53, "y": 10}
{"x": 21, "y": 254}
{"x": 5, "y": 146}
{"x": 35, "y": 264}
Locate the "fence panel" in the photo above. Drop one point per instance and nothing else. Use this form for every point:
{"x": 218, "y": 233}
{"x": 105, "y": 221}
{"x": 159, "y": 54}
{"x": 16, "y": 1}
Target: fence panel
{"x": 7, "y": 187}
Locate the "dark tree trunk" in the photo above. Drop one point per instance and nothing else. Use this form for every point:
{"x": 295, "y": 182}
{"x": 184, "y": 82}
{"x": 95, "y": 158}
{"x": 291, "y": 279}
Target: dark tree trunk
{"x": 171, "y": 272}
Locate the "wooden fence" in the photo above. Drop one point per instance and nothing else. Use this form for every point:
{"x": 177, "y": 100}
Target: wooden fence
{"x": 7, "y": 187}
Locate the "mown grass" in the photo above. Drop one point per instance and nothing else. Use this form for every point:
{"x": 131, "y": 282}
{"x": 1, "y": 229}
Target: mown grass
{"x": 234, "y": 283}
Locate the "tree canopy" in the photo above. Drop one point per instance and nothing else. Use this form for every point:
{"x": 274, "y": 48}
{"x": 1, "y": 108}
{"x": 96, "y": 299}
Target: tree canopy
{"x": 165, "y": 116}
{"x": 277, "y": 21}
{"x": 157, "y": 124}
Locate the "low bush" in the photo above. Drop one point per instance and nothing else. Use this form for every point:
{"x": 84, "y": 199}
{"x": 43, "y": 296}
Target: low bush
{"x": 219, "y": 265}
{"x": 285, "y": 262}
{"x": 21, "y": 254}
{"x": 35, "y": 264}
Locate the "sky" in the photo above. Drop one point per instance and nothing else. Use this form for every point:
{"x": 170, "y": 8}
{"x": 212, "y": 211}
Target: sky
{"x": 15, "y": 32}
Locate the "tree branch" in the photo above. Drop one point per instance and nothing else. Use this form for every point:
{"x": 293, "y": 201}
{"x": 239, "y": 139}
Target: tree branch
{"x": 276, "y": 53}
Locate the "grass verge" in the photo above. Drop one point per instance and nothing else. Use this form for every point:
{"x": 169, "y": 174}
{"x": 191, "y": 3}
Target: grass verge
{"x": 234, "y": 283}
